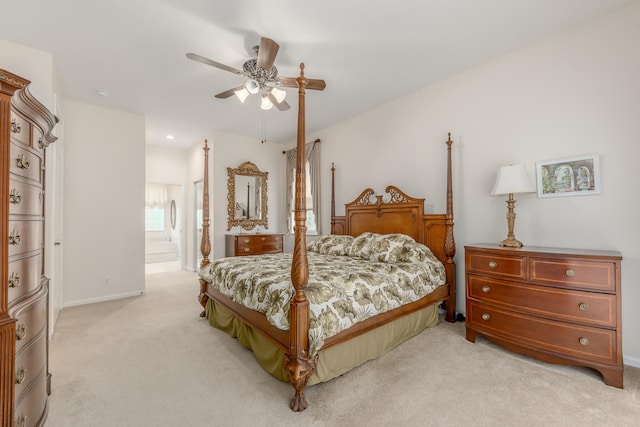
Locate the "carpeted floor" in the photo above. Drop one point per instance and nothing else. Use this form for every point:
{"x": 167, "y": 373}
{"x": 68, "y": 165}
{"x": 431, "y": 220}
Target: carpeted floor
{"x": 151, "y": 361}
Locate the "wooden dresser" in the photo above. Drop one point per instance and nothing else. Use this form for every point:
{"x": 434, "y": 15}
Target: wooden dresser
{"x": 253, "y": 244}
{"x": 558, "y": 305}
{"x": 24, "y": 375}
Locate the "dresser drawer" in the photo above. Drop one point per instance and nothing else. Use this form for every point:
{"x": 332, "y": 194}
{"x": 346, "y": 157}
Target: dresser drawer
{"x": 30, "y": 318}
{"x": 20, "y": 129}
{"x": 24, "y": 276}
{"x": 570, "y": 306}
{"x": 30, "y": 362}
{"x": 257, "y": 239}
{"x": 583, "y": 342}
{"x": 585, "y": 274}
{"x": 33, "y": 404}
{"x": 25, "y": 163}
{"x": 505, "y": 266}
{"x": 24, "y": 236}
{"x": 25, "y": 199}
{"x": 259, "y": 249}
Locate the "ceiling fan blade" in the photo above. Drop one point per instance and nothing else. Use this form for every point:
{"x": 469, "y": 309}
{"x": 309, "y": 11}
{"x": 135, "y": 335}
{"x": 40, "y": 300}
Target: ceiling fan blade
{"x": 229, "y": 92}
{"x": 267, "y": 53}
{"x": 314, "y": 84}
{"x": 208, "y": 61}
{"x": 282, "y": 106}
{"x": 288, "y": 82}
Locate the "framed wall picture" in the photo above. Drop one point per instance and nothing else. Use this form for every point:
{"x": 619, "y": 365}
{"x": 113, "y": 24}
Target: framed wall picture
{"x": 569, "y": 176}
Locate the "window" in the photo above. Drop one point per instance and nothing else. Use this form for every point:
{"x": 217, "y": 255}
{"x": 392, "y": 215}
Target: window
{"x": 312, "y": 187}
{"x": 311, "y": 218}
{"x": 154, "y": 219}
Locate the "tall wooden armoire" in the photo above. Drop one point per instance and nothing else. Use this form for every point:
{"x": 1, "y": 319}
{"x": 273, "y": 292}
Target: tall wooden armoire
{"x": 25, "y": 132}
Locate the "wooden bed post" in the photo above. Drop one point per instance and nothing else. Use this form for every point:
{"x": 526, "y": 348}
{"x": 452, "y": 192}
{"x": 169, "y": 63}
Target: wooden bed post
{"x": 450, "y": 244}
{"x": 297, "y": 361}
{"x": 205, "y": 242}
{"x": 333, "y": 198}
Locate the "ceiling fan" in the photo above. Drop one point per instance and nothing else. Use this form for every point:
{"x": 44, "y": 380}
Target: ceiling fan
{"x": 262, "y": 77}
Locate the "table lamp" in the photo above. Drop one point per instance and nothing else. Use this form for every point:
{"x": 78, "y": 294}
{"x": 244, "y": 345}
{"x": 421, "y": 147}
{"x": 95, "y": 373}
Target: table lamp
{"x": 512, "y": 179}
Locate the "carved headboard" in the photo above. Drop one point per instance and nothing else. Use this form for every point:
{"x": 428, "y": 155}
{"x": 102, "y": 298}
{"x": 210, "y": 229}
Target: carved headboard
{"x": 400, "y": 214}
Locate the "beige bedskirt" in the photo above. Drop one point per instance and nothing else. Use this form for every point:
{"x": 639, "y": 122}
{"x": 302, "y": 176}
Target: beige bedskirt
{"x": 333, "y": 361}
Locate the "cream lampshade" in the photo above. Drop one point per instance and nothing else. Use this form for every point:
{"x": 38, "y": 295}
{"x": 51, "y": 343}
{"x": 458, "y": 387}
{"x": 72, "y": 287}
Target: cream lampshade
{"x": 511, "y": 180}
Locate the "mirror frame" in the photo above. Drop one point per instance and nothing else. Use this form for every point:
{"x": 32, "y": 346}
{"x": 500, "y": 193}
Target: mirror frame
{"x": 246, "y": 168}
{"x": 172, "y": 213}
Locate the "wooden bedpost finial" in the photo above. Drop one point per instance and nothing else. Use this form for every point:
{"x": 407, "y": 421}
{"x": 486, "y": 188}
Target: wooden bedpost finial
{"x": 449, "y": 242}
{"x": 205, "y": 243}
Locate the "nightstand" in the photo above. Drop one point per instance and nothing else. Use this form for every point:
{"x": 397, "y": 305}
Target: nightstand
{"x": 557, "y": 305}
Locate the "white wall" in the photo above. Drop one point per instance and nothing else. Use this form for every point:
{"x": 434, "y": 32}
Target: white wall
{"x": 104, "y": 186}
{"x": 33, "y": 65}
{"x": 574, "y": 93}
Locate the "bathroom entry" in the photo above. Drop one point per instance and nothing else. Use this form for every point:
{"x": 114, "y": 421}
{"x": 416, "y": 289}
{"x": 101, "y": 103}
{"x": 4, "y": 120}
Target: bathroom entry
{"x": 163, "y": 227}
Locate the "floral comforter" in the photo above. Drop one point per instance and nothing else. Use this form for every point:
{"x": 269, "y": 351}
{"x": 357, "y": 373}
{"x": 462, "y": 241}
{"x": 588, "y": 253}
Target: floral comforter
{"x": 350, "y": 280}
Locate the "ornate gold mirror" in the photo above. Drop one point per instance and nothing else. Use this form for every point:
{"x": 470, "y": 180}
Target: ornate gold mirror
{"x": 247, "y": 197}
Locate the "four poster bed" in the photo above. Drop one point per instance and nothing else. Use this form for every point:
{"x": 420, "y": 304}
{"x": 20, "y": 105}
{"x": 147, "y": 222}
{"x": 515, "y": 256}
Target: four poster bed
{"x": 345, "y": 298}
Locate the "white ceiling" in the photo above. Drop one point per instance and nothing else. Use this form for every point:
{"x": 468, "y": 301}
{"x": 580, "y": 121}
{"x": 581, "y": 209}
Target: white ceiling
{"x": 368, "y": 52}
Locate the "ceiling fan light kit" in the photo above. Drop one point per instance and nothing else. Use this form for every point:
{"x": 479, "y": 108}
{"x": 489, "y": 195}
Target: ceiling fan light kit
{"x": 242, "y": 94}
{"x": 252, "y": 86}
{"x": 279, "y": 94}
{"x": 266, "y": 103}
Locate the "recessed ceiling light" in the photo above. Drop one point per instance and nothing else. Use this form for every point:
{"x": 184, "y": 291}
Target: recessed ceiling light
{"x": 171, "y": 137}
{"x": 102, "y": 92}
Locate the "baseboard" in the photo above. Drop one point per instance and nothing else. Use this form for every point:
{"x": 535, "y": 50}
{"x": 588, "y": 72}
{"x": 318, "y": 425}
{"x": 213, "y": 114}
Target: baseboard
{"x": 102, "y": 299}
{"x": 631, "y": 361}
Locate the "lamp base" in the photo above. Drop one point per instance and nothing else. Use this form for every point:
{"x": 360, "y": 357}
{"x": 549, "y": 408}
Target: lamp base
{"x": 510, "y": 242}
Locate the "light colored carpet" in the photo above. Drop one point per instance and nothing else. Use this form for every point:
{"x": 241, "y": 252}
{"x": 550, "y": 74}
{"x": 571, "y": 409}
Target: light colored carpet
{"x": 151, "y": 361}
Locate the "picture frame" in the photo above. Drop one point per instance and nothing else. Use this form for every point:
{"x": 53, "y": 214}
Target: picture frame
{"x": 569, "y": 176}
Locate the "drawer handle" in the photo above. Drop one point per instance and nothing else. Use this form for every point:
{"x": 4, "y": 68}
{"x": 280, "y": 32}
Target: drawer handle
{"x": 583, "y": 306}
{"x": 486, "y": 289}
{"x": 263, "y": 239}
{"x": 493, "y": 264}
{"x": 570, "y": 272}
{"x": 247, "y": 249}
{"x": 486, "y": 316}
{"x": 40, "y": 143}
{"x": 14, "y": 197}
{"x": 584, "y": 341}
{"x": 15, "y": 237}
{"x": 23, "y": 161}
{"x": 21, "y": 332}
{"x": 14, "y": 280}
{"x": 21, "y": 421}
{"x": 21, "y": 374}
{"x": 246, "y": 240}
{"x": 15, "y": 126}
